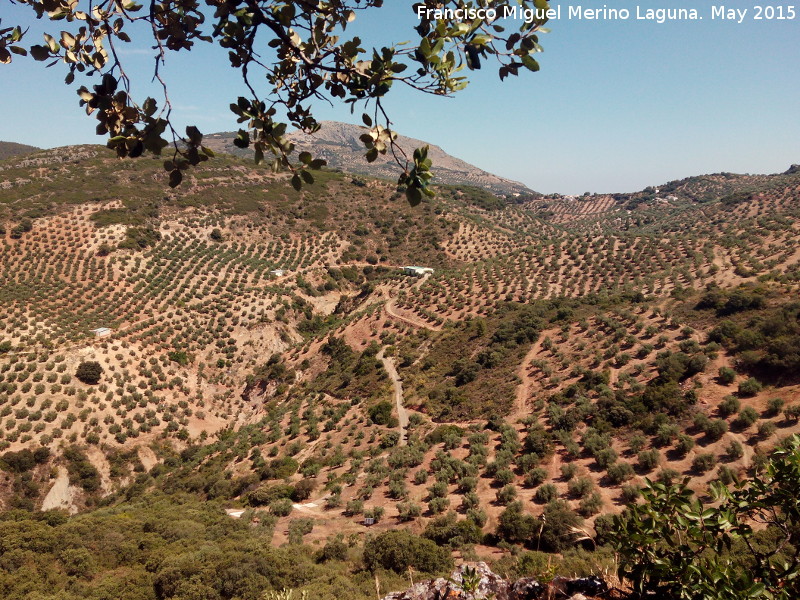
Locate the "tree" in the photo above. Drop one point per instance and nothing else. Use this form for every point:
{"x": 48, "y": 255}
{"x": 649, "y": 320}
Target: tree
{"x": 399, "y": 549}
{"x": 89, "y": 372}
{"x": 302, "y": 49}
{"x": 673, "y": 546}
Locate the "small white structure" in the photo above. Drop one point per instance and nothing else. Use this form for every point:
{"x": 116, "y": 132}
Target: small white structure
{"x": 417, "y": 271}
{"x": 101, "y": 332}
{"x": 277, "y": 272}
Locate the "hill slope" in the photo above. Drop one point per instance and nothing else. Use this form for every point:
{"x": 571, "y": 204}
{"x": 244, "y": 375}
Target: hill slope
{"x": 10, "y": 149}
{"x": 265, "y": 346}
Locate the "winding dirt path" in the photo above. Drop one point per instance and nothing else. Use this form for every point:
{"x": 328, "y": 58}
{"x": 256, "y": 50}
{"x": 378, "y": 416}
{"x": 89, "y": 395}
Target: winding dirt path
{"x": 523, "y": 389}
{"x": 402, "y": 414}
{"x": 391, "y": 309}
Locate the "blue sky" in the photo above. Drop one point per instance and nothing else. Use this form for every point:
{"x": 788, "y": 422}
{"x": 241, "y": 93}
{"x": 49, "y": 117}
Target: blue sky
{"x": 616, "y": 106}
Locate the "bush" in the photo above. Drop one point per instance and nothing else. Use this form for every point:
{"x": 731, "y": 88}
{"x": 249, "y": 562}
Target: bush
{"x": 399, "y": 549}
{"x": 447, "y": 530}
{"x": 620, "y": 472}
{"x": 381, "y": 413}
{"x": 716, "y": 429}
{"x": 728, "y": 406}
{"x": 281, "y": 507}
{"x": 747, "y": 416}
{"x": 545, "y": 493}
{"x": 580, "y": 487}
{"x": 684, "y": 444}
{"x": 590, "y": 505}
{"x": 506, "y": 494}
{"x": 704, "y": 462}
{"x": 734, "y": 450}
{"x": 535, "y": 477}
{"x": 557, "y": 527}
{"x": 774, "y": 406}
{"x": 89, "y": 372}
{"x": 631, "y": 493}
{"x": 750, "y": 387}
{"x": 647, "y": 460}
{"x": 726, "y": 375}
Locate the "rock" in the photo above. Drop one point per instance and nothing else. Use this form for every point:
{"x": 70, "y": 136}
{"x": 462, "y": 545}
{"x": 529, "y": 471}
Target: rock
{"x": 476, "y": 581}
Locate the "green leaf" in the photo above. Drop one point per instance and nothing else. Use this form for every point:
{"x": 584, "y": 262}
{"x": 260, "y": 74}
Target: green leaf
{"x": 366, "y": 119}
{"x": 297, "y": 183}
{"x": 530, "y": 63}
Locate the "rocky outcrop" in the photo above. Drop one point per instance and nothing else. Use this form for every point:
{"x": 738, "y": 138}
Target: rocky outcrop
{"x": 476, "y": 581}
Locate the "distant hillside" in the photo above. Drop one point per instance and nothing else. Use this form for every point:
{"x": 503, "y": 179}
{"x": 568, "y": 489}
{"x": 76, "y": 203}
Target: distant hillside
{"x": 9, "y": 149}
{"x": 338, "y": 143}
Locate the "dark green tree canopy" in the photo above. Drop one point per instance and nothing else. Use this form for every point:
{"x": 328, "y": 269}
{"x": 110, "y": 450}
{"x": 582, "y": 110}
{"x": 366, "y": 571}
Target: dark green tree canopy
{"x": 290, "y": 53}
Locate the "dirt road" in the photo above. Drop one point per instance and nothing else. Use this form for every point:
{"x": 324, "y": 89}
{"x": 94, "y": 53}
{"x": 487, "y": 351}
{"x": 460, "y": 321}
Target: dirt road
{"x": 402, "y": 414}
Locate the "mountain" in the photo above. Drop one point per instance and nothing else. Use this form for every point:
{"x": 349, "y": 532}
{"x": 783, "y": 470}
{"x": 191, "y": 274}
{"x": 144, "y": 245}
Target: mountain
{"x": 338, "y": 143}
{"x": 9, "y": 149}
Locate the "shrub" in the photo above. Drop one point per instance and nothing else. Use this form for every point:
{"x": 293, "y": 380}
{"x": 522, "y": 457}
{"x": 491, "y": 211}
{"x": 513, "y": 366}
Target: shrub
{"x": 631, "y": 493}
{"x": 535, "y": 477}
{"x": 399, "y": 549}
{"x": 734, "y": 450}
{"x": 89, "y": 372}
{"x": 684, "y": 444}
{"x": 656, "y": 566}
{"x": 557, "y": 527}
{"x": 716, "y": 429}
{"x": 750, "y": 387}
{"x": 620, "y": 472}
{"x": 726, "y": 375}
{"x": 408, "y": 511}
{"x": 728, "y": 406}
{"x": 774, "y": 406}
{"x": 447, "y": 530}
{"x": 647, "y": 460}
{"x": 545, "y": 493}
{"x": 580, "y": 487}
{"x": 747, "y": 416}
{"x": 704, "y": 462}
{"x": 281, "y": 507}
{"x": 590, "y": 505}
{"x": 506, "y": 494}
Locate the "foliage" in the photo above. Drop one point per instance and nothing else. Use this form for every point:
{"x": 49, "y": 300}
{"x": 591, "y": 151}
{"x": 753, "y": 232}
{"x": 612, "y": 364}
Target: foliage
{"x": 313, "y": 57}
{"x": 89, "y": 372}
{"x": 673, "y": 545}
{"x": 400, "y": 549}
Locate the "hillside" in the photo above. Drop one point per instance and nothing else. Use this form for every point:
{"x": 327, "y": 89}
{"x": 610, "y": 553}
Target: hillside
{"x": 267, "y": 353}
{"x": 10, "y": 149}
{"x": 338, "y": 143}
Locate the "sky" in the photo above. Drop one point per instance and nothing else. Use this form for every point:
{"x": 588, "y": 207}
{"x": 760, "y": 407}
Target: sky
{"x": 617, "y": 105}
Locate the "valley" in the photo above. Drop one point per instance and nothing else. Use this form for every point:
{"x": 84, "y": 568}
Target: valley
{"x": 268, "y": 354}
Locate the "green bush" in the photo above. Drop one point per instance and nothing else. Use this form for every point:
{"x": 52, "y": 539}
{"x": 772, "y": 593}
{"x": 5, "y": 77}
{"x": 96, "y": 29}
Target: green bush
{"x": 726, "y": 375}
{"x": 399, "y": 549}
{"x": 750, "y": 387}
{"x": 545, "y": 493}
{"x": 89, "y": 372}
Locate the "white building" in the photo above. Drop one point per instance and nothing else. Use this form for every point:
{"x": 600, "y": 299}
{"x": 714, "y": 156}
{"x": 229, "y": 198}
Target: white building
{"x": 417, "y": 271}
{"x": 277, "y": 272}
{"x": 101, "y": 332}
